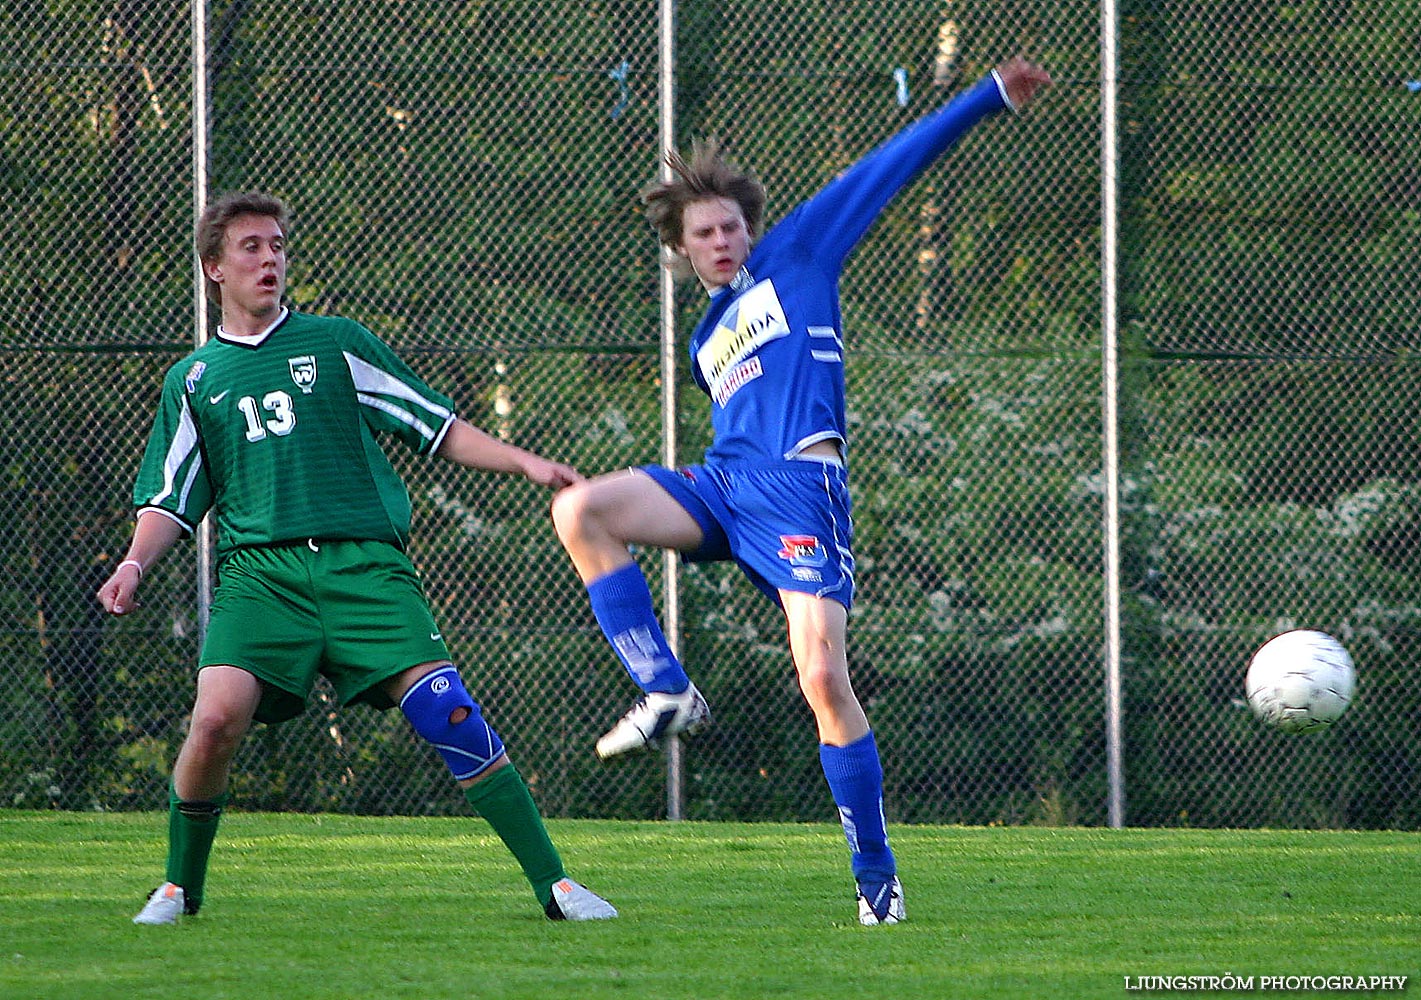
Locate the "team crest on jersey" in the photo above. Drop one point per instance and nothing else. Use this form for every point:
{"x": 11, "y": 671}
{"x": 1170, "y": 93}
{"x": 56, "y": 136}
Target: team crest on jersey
{"x": 803, "y": 550}
{"x": 303, "y": 371}
{"x": 754, "y": 319}
{"x": 194, "y": 373}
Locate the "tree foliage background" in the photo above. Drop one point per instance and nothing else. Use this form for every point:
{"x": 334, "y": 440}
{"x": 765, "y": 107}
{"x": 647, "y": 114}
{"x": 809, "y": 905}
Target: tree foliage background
{"x": 465, "y": 176}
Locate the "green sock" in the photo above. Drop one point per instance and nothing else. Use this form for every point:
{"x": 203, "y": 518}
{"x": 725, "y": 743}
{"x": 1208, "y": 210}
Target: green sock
{"x": 192, "y": 826}
{"x": 504, "y": 800}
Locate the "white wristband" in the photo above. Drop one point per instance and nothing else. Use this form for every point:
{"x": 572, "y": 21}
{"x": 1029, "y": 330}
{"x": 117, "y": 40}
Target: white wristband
{"x": 131, "y": 562}
{"x": 1002, "y": 89}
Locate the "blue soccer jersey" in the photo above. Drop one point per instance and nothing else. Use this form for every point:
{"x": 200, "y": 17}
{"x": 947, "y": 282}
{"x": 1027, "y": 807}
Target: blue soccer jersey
{"x": 769, "y": 350}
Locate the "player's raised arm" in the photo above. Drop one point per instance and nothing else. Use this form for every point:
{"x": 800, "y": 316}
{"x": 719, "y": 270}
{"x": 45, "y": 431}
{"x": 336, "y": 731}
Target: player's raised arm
{"x": 841, "y": 214}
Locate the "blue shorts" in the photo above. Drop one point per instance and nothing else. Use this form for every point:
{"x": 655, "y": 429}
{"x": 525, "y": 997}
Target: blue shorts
{"x": 788, "y": 526}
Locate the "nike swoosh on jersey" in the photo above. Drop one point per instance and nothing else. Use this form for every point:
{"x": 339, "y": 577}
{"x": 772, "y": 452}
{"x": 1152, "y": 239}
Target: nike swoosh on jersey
{"x": 214, "y": 400}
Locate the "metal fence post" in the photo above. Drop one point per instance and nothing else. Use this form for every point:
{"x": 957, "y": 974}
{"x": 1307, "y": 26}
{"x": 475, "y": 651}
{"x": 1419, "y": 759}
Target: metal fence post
{"x": 201, "y": 147}
{"x": 675, "y": 786}
{"x": 1109, "y": 399}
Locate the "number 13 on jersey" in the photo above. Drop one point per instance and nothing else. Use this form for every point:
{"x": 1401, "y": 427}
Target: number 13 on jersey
{"x": 278, "y": 404}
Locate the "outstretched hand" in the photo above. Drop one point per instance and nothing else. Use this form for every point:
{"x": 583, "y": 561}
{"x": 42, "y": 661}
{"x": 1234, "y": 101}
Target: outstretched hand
{"x": 1023, "y": 80}
{"x": 554, "y": 475}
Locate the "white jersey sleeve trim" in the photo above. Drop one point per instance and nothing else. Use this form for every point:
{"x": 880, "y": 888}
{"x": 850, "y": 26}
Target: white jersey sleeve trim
{"x": 1002, "y": 89}
{"x": 372, "y": 380}
{"x": 166, "y": 513}
{"x": 425, "y": 429}
{"x": 183, "y": 451}
{"x": 443, "y": 432}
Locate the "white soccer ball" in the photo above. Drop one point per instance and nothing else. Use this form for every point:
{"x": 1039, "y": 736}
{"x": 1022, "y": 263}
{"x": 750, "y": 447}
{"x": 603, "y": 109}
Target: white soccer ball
{"x": 1300, "y": 681}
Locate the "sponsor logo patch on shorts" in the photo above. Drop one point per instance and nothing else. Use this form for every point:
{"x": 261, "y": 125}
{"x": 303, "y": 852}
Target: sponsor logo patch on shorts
{"x": 803, "y": 550}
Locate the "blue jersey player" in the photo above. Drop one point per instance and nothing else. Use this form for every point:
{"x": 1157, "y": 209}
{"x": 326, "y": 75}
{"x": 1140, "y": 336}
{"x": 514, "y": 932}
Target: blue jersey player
{"x": 772, "y": 491}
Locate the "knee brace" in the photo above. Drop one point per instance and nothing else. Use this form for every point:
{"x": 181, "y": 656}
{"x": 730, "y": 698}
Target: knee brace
{"x": 468, "y": 746}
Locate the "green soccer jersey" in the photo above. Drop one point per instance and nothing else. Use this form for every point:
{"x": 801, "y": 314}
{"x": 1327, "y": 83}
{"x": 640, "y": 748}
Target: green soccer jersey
{"x": 281, "y": 439}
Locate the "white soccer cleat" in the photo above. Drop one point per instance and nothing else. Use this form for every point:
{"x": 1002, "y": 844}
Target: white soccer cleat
{"x": 881, "y": 903}
{"x": 164, "y": 906}
{"x": 655, "y": 716}
{"x": 572, "y": 901}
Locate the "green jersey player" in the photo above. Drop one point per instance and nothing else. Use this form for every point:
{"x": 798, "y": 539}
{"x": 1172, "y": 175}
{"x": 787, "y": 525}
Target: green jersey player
{"x": 274, "y": 428}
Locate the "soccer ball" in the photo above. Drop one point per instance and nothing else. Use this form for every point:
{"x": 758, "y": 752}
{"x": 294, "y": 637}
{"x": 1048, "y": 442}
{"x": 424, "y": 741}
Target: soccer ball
{"x": 1300, "y": 681}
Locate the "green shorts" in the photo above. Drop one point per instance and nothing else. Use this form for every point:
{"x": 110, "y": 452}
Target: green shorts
{"x": 352, "y": 611}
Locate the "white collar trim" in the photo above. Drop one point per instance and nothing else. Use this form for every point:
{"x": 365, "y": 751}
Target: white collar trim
{"x": 252, "y": 340}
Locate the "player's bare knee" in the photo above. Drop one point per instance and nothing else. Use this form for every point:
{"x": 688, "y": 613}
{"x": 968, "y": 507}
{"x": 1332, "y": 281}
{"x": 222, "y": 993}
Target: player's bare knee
{"x": 825, "y": 688}
{"x": 815, "y": 684}
{"x": 569, "y": 509}
{"x": 585, "y": 524}
{"x": 215, "y": 729}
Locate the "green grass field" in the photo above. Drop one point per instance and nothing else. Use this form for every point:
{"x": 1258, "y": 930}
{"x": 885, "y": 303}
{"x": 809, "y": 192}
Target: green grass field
{"x": 338, "y": 906}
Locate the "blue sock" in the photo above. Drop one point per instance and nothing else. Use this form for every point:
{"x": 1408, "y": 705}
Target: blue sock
{"x": 621, "y": 600}
{"x": 856, "y": 782}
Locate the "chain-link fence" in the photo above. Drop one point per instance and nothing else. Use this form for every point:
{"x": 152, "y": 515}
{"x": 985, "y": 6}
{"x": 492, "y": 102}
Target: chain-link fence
{"x": 464, "y": 177}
